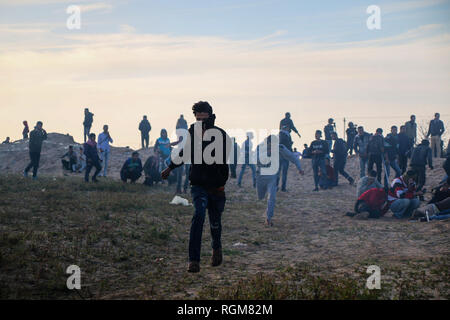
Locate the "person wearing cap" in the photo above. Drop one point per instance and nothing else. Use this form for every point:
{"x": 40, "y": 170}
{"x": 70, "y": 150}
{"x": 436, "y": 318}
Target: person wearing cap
{"x": 208, "y": 175}
{"x": 328, "y": 129}
{"x": 287, "y": 121}
{"x": 37, "y": 137}
{"x": 145, "y": 128}
{"x": 375, "y": 151}
{"x": 318, "y": 150}
{"x": 131, "y": 169}
{"x": 421, "y": 155}
{"x": 87, "y": 123}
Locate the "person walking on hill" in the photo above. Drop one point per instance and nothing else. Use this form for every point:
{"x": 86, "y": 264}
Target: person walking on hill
{"x": 104, "y": 139}
{"x": 92, "y": 158}
{"x": 25, "y": 130}
{"x": 37, "y": 137}
{"x": 420, "y": 157}
{"x": 87, "y": 124}
{"x": 246, "y": 149}
{"x": 436, "y": 129}
{"x": 207, "y": 181}
{"x": 145, "y": 128}
{"x": 287, "y": 121}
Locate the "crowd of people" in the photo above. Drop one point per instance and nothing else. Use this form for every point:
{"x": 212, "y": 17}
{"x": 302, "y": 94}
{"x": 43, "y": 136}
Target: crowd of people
{"x": 328, "y": 157}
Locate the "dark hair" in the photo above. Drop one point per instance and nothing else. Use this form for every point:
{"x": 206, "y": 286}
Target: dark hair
{"x": 437, "y": 114}
{"x": 202, "y": 106}
{"x": 372, "y": 173}
{"x": 394, "y": 127}
{"x": 411, "y": 173}
{"x": 135, "y": 153}
{"x": 319, "y": 132}
{"x": 39, "y": 123}
{"x": 401, "y": 127}
{"x": 361, "y": 127}
{"x": 425, "y": 142}
{"x": 92, "y": 135}
{"x": 380, "y": 130}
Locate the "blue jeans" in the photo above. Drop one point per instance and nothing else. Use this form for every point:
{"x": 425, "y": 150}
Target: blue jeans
{"x": 267, "y": 184}
{"x": 87, "y": 131}
{"x": 104, "y": 156}
{"x": 215, "y": 204}
{"x": 241, "y": 174}
{"x": 284, "y": 167}
{"x": 362, "y": 166}
{"x": 316, "y": 164}
{"x": 404, "y": 207}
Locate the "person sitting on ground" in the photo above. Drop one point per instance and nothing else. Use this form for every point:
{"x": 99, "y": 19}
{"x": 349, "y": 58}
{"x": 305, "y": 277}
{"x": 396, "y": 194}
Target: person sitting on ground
{"x": 374, "y": 201}
{"x": 368, "y": 182}
{"x": 71, "y": 163}
{"x": 131, "y": 169}
{"x": 402, "y": 195}
{"x": 327, "y": 180}
{"x": 81, "y": 161}
{"x": 439, "y": 204}
{"x": 7, "y": 141}
{"x": 441, "y": 192}
{"x": 151, "y": 171}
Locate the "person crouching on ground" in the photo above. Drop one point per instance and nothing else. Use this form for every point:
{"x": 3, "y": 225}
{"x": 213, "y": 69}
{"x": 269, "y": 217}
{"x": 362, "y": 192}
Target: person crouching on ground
{"x": 208, "y": 181}
{"x": 131, "y": 169}
{"x": 368, "y": 182}
{"x": 402, "y": 195}
{"x": 92, "y": 158}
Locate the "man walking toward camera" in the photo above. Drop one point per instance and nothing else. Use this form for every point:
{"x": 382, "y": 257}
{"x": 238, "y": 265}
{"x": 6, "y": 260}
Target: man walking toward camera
{"x": 208, "y": 179}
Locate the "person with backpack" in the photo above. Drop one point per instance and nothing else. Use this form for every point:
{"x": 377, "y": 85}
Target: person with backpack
{"x": 340, "y": 152}
{"x": 436, "y": 129}
{"x": 104, "y": 139}
{"x": 405, "y": 144}
{"x": 328, "y": 129}
{"x": 145, "y": 128}
{"x": 268, "y": 171}
{"x": 246, "y": 149}
{"x": 403, "y": 195}
{"x": 207, "y": 181}
{"x": 391, "y": 146}
{"x": 87, "y": 123}
{"x": 360, "y": 147}
{"x": 25, "y": 130}
{"x": 92, "y": 158}
{"x": 375, "y": 151}
{"x": 420, "y": 157}
{"x": 351, "y": 134}
{"x": 131, "y": 169}
{"x": 37, "y": 137}
{"x": 318, "y": 151}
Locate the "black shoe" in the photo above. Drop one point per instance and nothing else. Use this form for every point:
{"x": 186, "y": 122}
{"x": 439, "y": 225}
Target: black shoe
{"x": 350, "y": 214}
{"x": 316, "y": 189}
{"x": 283, "y": 190}
{"x": 216, "y": 259}
{"x": 194, "y": 267}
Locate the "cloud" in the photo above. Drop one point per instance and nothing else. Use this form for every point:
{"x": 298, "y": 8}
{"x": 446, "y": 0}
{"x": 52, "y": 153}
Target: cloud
{"x": 99, "y": 6}
{"x": 395, "y": 7}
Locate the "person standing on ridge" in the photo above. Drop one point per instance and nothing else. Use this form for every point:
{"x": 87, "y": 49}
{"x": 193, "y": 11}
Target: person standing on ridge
{"x": 37, "y": 137}
{"x": 104, "y": 139}
{"x": 287, "y": 121}
{"x": 145, "y": 128}
{"x": 87, "y": 124}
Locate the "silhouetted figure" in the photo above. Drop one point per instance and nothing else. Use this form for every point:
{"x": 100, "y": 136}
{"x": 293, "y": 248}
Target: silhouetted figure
{"x": 37, "y": 137}
{"x": 318, "y": 151}
{"x": 145, "y": 128}
{"x": 436, "y": 130}
{"x": 287, "y": 121}
{"x": 181, "y": 123}
{"x": 328, "y": 129}
{"x": 340, "y": 152}
{"x": 26, "y": 130}
{"x": 7, "y": 141}
{"x": 351, "y": 134}
{"x": 411, "y": 129}
{"x": 104, "y": 139}
{"x": 87, "y": 124}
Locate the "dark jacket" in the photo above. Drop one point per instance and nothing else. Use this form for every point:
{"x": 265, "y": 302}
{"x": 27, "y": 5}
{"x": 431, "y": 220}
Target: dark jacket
{"x": 351, "y": 134}
{"x": 209, "y": 176}
{"x": 288, "y": 122}
{"x": 376, "y": 145}
{"x": 321, "y": 145}
{"x": 181, "y": 124}
{"x": 436, "y": 128}
{"x": 88, "y": 119}
{"x": 340, "y": 149}
{"x": 286, "y": 140}
{"x": 37, "y": 137}
{"x": 421, "y": 155}
{"x": 391, "y": 146}
{"x": 91, "y": 153}
{"x": 132, "y": 166}
{"x": 360, "y": 144}
{"x": 404, "y": 143}
{"x": 145, "y": 127}
{"x": 328, "y": 129}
